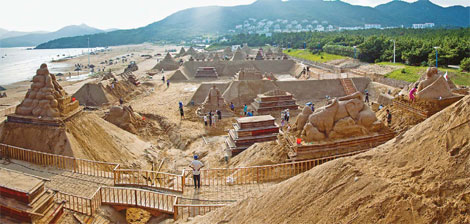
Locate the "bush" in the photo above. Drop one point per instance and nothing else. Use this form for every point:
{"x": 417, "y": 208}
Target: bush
{"x": 465, "y": 64}
{"x": 403, "y": 71}
{"x": 424, "y": 64}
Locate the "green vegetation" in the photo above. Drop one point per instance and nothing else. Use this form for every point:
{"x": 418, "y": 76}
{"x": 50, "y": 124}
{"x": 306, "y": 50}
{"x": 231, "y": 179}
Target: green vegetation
{"x": 465, "y": 64}
{"x": 307, "y": 55}
{"x": 413, "y": 47}
{"x": 413, "y": 73}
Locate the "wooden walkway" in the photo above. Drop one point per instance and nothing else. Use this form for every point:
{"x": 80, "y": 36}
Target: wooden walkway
{"x": 86, "y": 185}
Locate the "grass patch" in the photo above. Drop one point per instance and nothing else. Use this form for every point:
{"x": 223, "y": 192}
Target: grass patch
{"x": 413, "y": 73}
{"x": 321, "y": 57}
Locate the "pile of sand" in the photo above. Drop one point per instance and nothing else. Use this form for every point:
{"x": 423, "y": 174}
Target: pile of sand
{"x": 378, "y": 69}
{"x": 80, "y": 137}
{"x": 125, "y": 118}
{"x": 266, "y": 153}
{"x": 421, "y": 176}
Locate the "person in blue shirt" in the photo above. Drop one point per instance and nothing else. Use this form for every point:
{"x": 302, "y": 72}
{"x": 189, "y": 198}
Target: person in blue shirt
{"x": 232, "y": 107}
{"x": 245, "y": 109}
{"x": 250, "y": 114}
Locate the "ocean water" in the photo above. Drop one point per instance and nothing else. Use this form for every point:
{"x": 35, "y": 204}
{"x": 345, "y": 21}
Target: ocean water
{"x": 19, "y": 64}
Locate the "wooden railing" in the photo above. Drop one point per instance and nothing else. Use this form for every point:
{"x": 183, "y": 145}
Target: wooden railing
{"x": 82, "y": 166}
{"x": 138, "y": 198}
{"x": 182, "y": 211}
{"x": 258, "y": 174}
{"x": 76, "y": 203}
{"x": 147, "y": 178}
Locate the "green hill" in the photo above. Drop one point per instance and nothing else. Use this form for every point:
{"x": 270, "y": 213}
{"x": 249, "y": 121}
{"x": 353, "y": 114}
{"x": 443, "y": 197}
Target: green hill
{"x": 207, "y": 20}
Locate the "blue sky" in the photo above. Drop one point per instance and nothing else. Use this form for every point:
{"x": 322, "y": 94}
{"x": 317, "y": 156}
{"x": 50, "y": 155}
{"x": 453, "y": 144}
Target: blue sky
{"x": 50, "y": 15}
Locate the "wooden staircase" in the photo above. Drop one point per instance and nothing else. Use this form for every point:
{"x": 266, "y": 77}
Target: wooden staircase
{"x": 348, "y": 85}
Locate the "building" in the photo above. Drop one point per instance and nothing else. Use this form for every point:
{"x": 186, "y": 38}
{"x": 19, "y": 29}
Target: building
{"x": 372, "y": 26}
{"x": 423, "y": 26}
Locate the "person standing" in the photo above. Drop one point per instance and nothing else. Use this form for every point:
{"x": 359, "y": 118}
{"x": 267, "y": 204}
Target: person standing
{"x": 245, "y": 109}
{"x": 196, "y": 165}
{"x": 167, "y": 83}
{"x": 389, "y": 117}
{"x": 182, "y": 112}
{"x": 205, "y": 120}
{"x": 121, "y": 101}
{"x": 232, "y": 107}
{"x": 210, "y": 118}
{"x": 219, "y": 114}
{"x": 313, "y": 107}
{"x": 367, "y": 97}
{"x": 412, "y": 93}
{"x": 163, "y": 79}
{"x": 287, "y": 116}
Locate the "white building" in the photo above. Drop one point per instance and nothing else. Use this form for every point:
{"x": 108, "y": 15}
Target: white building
{"x": 423, "y": 26}
{"x": 320, "y": 28}
{"x": 372, "y": 26}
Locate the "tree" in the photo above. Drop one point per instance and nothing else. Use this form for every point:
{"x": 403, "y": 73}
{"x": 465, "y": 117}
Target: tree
{"x": 465, "y": 64}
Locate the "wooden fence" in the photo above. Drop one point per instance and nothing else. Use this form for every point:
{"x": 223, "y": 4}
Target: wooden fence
{"x": 258, "y": 174}
{"x": 146, "y": 178}
{"x": 80, "y": 204}
{"x": 82, "y": 166}
{"x": 138, "y": 198}
{"x": 181, "y": 211}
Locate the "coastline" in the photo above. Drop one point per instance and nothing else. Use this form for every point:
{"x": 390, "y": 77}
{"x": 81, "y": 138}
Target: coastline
{"x": 16, "y": 91}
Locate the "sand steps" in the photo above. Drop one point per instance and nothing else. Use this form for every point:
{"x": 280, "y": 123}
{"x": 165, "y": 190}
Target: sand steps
{"x": 348, "y": 85}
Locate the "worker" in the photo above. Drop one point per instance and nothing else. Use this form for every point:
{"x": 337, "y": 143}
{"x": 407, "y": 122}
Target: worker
{"x": 389, "y": 117}
{"x": 196, "y": 165}
{"x": 412, "y": 93}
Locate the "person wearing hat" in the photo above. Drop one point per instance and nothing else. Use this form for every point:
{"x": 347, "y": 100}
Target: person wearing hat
{"x": 196, "y": 165}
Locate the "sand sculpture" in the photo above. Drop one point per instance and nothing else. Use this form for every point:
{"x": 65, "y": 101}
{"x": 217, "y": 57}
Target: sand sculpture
{"x": 46, "y": 98}
{"x": 269, "y": 53}
{"x": 273, "y": 101}
{"x": 167, "y": 64}
{"x": 109, "y": 75}
{"x": 344, "y": 117}
{"x": 249, "y": 74}
{"x": 200, "y": 57}
{"x": 191, "y": 52}
{"x": 228, "y": 52}
{"x": 259, "y": 55}
{"x": 239, "y": 55}
{"x": 125, "y": 118}
{"x": 216, "y": 57}
{"x": 214, "y": 101}
{"x": 246, "y": 49}
{"x": 182, "y": 52}
{"x": 434, "y": 86}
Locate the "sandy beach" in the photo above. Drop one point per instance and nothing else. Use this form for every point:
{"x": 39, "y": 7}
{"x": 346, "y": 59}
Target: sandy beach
{"x": 17, "y": 91}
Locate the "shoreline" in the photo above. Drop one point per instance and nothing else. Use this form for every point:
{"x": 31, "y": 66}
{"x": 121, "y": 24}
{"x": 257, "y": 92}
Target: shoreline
{"x": 16, "y": 91}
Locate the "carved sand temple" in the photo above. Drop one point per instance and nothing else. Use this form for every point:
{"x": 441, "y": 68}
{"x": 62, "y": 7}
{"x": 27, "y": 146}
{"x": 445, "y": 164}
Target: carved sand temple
{"x": 214, "y": 101}
{"x": 434, "y": 93}
{"x": 191, "y": 52}
{"x": 206, "y": 72}
{"x": 249, "y": 74}
{"x": 24, "y": 199}
{"x": 239, "y": 55}
{"x": 182, "y": 52}
{"x": 228, "y": 52}
{"x": 345, "y": 125}
{"x": 46, "y": 102}
{"x": 273, "y": 101}
{"x": 250, "y": 130}
{"x": 259, "y": 55}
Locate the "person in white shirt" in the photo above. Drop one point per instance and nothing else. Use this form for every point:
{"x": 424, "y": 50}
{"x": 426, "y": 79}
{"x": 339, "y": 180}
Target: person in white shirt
{"x": 196, "y": 165}
{"x": 205, "y": 120}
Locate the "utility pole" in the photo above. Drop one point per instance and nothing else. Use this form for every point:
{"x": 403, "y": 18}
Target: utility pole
{"x": 89, "y": 54}
{"x": 354, "y": 52}
{"x": 394, "y": 48}
{"x": 436, "y": 55}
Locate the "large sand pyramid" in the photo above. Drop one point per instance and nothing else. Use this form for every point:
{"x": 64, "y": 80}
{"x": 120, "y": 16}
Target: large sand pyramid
{"x": 421, "y": 176}
{"x": 182, "y": 52}
{"x": 191, "y": 52}
{"x": 168, "y": 64}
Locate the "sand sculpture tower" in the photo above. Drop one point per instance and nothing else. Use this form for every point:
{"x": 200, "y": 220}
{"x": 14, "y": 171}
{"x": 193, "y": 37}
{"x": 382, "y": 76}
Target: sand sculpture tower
{"x": 46, "y": 98}
{"x": 214, "y": 101}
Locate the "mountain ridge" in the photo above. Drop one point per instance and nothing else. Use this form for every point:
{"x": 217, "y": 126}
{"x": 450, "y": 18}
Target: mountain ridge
{"x": 35, "y": 38}
{"x": 192, "y": 22}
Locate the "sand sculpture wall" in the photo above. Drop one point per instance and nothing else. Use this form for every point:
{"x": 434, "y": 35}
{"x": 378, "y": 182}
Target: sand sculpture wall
{"x": 243, "y": 92}
{"x": 434, "y": 86}
{"x": 344, "y": 117}
{"x": 231, "y": 68}
{"x": 249, "y": 74}
{"x": 46, "y": 98}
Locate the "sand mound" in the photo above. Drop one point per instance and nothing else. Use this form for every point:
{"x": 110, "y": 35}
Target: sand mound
{"x": 85, "y": 136}
{"x": 266, "y": 153}
{"x": 419, "y": 177}
{"x": 125, "y": 118}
